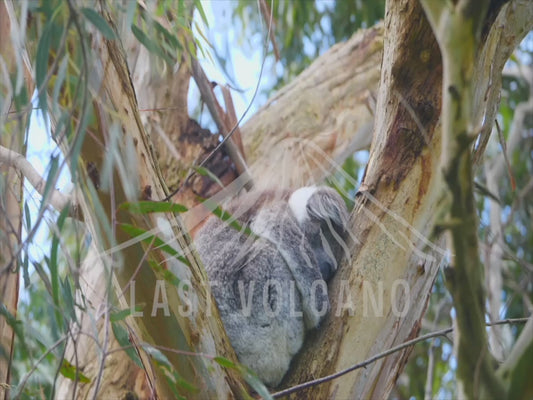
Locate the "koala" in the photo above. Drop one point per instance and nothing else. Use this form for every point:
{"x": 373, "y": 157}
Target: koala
{"x": 268, "y": 266}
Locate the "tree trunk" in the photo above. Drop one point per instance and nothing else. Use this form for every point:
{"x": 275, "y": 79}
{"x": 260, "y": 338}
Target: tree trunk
{"x": 12, "y": 137}
{"x": 379, "y": 300}
{"x": 397, "y": 254}
{"x": 315, "y": 123}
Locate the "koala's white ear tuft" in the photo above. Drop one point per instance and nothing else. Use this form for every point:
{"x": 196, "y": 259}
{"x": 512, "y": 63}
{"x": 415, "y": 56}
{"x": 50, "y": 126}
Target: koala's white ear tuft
{"x": 327, "y": 205}
{"x": 299, "y": 200}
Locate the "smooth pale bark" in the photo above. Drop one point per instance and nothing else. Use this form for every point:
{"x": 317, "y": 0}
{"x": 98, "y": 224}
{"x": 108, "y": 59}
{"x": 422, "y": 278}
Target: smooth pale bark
{"x": 12, "y": 137}
{"x": 314, "y": 123}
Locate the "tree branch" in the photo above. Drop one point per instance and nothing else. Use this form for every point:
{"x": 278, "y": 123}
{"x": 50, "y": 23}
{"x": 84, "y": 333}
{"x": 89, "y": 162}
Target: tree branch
{"x": 458, "y": 29}
{"x": 57, "y": 199}
{"x": 217, "y": 113}
{"x": 392, "y": 350}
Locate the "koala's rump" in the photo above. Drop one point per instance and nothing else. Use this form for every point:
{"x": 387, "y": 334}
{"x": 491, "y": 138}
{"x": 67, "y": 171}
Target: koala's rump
{"x": 258, "y": 301}
{"x": 268, "y": 305}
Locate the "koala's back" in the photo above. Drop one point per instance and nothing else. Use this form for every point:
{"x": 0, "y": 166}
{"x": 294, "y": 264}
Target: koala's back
{"x": 268, "y": 276}
{"x": 256, "y": 296}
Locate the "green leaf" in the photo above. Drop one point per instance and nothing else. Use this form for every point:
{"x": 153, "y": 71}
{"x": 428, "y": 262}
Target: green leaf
{"x": 205, "y": 172}
{"x": 11, "y": 320}
{"x": 147, "y": 207}
{"x": 104, "y": 233}
{"x": 50, "y": 181}
{"x": 99, "y": 22}
{"x": 25, "y": 271}
{"x": 78, "y": 136}
{"x": 171, "y": 375}
{"x": 122, "y": 314}
{"x": 150, "y": 45}
{"x": 25, "y": 262}
{"x": 42, "y": 274}
{"x": 179, "y": 381}
{"x": 69, "y": 371}
{"x": 41, "y": 64}
{"x": 68, "y": 299}
{"x": 123, "y": 338}
{"x": 144, "y": 39}
{"x": 149, "y": 238}
{"x": 54, "y": 272}
{"x": 168, "y": 276}
{"x": 167, "y": 36}
{"x": 198, "y": 5}
{"x": 206, "y": 54}
{"x": 255, "y": 382}
{"x": 224, "y": 362}
{"x": 192, "y": 48}
{"x": 158, "y": 356}
{"x": 18, "y": 328}
{"x": 58, "y": 83}
{"x": 20, "y": 98}
{"x": 27, "y": 216}
{"x": 248, "y": 376}
{"x": 229, "y": 219}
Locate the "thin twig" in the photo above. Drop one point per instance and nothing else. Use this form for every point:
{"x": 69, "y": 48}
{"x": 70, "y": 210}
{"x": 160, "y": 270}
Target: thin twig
{"x": 34, "y": 367}
{"x": 267, "y": 15}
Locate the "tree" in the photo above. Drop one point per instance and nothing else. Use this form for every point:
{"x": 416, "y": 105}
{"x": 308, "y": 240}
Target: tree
{"x": 107, "y": 123}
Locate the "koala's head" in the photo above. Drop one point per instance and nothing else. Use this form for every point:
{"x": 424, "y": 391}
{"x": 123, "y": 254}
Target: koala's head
{"x": 323, "y": 217}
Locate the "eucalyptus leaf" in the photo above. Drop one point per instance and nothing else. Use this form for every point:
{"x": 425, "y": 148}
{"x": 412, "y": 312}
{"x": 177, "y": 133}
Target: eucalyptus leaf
{"x": 123, "y": 338}
{"x": 99, "y": 22}
{"x": 147, "y": 207}
{"x": 70, "y": 371}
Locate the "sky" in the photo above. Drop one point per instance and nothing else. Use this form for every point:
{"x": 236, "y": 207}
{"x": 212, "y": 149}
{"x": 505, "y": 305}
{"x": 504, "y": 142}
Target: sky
{"x": 244, "y": 67}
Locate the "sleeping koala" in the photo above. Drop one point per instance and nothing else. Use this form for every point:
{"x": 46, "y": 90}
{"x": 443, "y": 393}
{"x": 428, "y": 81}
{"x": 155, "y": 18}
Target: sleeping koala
{"x": 268, "y": 271}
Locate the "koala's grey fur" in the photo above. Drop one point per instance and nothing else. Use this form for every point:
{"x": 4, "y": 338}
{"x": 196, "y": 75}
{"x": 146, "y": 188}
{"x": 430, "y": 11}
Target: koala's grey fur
{"x": 268, "y": 273}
